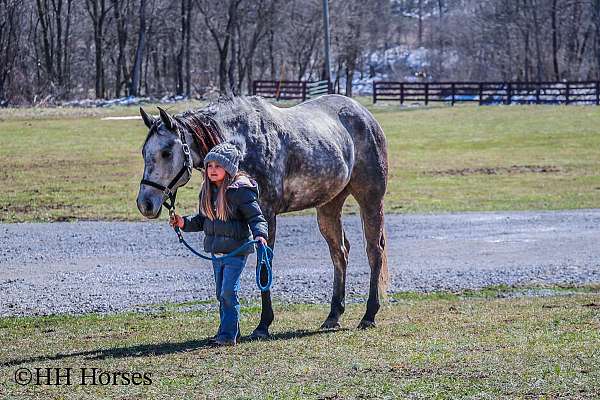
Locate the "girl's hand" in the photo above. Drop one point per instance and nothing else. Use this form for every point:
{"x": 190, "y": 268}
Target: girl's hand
{"x": 176, "y": 220}
{"x": 262, "y": 240}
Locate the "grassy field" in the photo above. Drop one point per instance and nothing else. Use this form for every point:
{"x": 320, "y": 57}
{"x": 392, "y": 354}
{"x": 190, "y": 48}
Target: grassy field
{"x": 439, "y": 346}
{"x": 67, "y": 164}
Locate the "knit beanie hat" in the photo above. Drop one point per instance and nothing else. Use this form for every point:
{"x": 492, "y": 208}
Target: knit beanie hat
{"x": 228, "y": 155}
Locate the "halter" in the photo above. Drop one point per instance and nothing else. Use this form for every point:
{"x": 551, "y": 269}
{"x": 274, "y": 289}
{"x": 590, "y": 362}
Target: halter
{"x": 167, "y": 191}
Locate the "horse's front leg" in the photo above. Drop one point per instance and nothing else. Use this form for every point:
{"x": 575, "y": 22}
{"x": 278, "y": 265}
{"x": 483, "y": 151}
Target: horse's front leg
{"x": 266, "y": 315}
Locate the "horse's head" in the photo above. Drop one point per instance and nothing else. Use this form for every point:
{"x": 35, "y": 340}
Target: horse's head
{"x": 164, "y": 159}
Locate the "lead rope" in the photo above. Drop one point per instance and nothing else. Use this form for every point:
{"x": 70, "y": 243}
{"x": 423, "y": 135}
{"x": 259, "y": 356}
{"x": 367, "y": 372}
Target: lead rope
{"x": 264, "y": 255}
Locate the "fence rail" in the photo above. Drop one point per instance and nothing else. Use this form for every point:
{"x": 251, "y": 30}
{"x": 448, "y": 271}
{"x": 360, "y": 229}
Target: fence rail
{"x": 290, "y": 90}
{"x": 489, "y": 92}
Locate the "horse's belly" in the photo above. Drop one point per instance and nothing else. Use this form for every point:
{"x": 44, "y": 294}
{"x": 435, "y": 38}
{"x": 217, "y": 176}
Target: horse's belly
{"x": 314, "y": 178}
{"x": 300, "y": 194}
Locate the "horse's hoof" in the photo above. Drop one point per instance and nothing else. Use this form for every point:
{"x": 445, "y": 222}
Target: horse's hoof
{"x": 259, "y": 334}
{"x": 330, "y": 325}
{"x": 364, "y": 324}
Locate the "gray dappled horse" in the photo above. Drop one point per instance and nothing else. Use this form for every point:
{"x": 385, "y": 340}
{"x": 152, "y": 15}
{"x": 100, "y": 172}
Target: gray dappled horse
{"x": 314, "y": 154}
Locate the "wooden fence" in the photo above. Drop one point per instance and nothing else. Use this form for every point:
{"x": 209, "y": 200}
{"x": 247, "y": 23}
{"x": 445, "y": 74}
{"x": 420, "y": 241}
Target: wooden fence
{"x": 489, "y": 92}
{"x": 289, "y": 90}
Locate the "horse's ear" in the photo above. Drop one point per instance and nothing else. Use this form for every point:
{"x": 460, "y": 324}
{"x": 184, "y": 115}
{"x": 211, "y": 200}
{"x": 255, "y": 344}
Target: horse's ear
{"x": 166, "y": 119}
{"x": 148, "y": 120}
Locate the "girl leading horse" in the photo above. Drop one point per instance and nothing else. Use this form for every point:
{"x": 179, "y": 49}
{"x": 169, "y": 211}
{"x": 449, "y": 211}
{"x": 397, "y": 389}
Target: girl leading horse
{"x": 314, "y": 154}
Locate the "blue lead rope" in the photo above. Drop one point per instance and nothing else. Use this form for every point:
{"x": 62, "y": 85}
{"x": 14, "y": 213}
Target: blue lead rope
{"x": 264, "y": 255}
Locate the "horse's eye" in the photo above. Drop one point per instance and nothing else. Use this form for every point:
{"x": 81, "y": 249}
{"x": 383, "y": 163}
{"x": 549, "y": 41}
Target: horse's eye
{"x": 166, "y": 154}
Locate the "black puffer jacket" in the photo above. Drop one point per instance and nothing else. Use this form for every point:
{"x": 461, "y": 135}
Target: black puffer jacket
{"x": 247, "y": 221}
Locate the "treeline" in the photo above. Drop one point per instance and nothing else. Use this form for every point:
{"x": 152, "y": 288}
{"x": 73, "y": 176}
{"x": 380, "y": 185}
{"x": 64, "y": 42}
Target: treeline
{"x": 68, "y": 49}
{"x": 63, "y": 49}
{"x": 521, "y": 40}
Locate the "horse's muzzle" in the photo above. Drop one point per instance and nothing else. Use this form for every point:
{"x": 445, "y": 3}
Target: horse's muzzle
{"x": 148, "y": 207}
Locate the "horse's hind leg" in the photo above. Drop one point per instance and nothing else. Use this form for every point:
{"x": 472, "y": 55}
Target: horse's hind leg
{"x": 368, "y": 185}
{"x": 371, "y": 213}
{"x": 329, "y": 217}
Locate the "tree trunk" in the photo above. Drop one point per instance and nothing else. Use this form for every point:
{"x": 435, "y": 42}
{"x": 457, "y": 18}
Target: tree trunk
{"x": 97, "y": 11}
{"x": 180, "y": 53}
{"x": 66, "y": 65}
{"x": 57, "y": 7}
{"x": 99, "y": 67}
{"x": 223, "y": 86}
{"x": 420, "y": 22}
{"x": 573, "y": 40}
{"x": 188, "y": 73}
{"x": 44, "y": 22}
{"x": 272, "y": 55}
{"x": 156, "y": 69}
{"x": 596, "y": 6}
{"x": 527, "y": 57}
{"x": 139, "y": 53}
{"x": 250, "y": 76}
{"x": 122, "y": 42}
{"x": 555, "y": 42}
{"x": 145, "y": 64}
{"x": 349, "y": 77}
{"x": 538, "y": 45}
{"x": 223, "y": 48}
{"x": 232, "y": 63}
{"x": 10, "y": 34}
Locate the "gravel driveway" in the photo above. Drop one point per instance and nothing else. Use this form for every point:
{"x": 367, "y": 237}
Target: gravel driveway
{"x": 112, "y": 266}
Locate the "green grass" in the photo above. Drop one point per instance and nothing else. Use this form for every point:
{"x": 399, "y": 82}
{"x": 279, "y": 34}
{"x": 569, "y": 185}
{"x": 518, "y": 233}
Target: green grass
{"x": 67, "y": 164}
{"x": 442, "y": 139}
{"x": 426, "y": 346}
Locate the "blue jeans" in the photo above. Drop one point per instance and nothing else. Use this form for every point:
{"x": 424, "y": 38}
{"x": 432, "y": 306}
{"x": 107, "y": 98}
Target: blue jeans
{"x": 227, "y": 281}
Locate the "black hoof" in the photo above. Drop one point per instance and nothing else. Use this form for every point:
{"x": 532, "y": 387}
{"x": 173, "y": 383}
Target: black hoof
{"x": 259, "y": 334}
{"x": 328, "y": 324}
{"x": 364, "y": 324}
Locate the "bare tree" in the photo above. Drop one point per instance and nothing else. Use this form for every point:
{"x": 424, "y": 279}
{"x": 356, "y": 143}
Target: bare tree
{"x": 54, "y": 17}
{"x": 596, "y": 22}
{"x": 183, "y": 55}
{"x": 10, "y": 33}
{"x": 122, "y": 11}
{"x": 303, "y": 36}
{"x": 165, "y": 47}
{"x": 97, "y": 11}
{"x": 351, "y": 34}
{"x": 221, "y": 22}
{"x": 251, "y": 29}
{"x": 136, "y": 72}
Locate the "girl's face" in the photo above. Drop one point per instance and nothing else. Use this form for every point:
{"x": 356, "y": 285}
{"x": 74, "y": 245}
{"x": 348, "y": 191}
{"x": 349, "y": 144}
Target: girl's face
{"x": 215, "y": 172}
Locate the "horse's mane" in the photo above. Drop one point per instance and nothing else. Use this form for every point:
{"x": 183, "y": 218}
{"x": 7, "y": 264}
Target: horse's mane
{"x": 202, "y": 123}
{"x": 204, "y": 129}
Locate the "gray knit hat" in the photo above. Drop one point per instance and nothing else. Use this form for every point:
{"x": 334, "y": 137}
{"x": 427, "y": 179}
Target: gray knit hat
{"x": 227, "y": 154}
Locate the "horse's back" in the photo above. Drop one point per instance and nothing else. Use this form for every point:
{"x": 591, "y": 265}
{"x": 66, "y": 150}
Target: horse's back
{"x": 348, "y": 119}
{"x": 322, "y": 140}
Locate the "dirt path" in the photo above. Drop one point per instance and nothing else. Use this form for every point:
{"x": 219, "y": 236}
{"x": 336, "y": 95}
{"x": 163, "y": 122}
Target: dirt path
{"x": 112, "y": 266}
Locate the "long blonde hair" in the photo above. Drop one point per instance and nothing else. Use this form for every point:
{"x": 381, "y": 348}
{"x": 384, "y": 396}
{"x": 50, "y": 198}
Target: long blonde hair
{"x": 223, "y": 208}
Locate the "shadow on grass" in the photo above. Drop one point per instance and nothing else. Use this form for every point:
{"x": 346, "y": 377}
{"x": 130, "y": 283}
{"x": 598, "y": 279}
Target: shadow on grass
{"x": 158, "y": 349}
